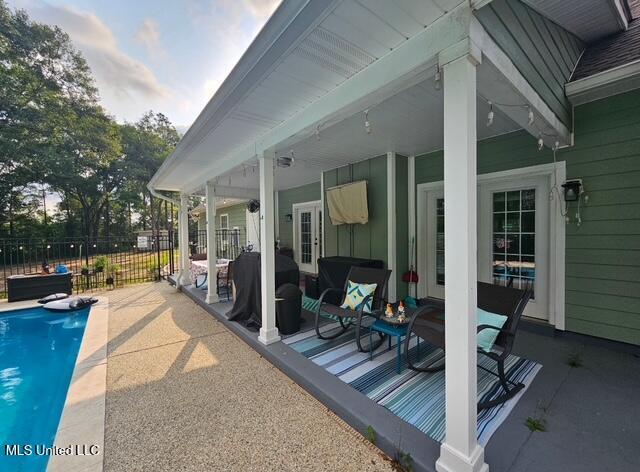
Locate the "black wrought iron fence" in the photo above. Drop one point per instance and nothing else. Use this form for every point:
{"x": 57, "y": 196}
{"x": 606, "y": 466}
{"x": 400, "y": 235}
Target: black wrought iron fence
{"x": 229, "y": 242}
{"x": 113, "y": 262}
{"x": 95, "y": 263}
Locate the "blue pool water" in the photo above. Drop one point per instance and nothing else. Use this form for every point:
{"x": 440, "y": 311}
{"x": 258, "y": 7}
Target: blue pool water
{"x": 38, "y": 351}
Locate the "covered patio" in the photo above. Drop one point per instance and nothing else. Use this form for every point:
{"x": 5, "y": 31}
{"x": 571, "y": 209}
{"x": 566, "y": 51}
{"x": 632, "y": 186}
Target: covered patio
{"x": 426, "y": 76}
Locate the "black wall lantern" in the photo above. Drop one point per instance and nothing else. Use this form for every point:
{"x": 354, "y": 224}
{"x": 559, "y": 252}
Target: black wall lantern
{"x": 572, "y": 190}
{"x": 288, "y": 217}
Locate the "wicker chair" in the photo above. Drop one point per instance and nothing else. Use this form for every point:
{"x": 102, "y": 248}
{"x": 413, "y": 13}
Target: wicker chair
{"x": 347, "y": 317}
{"x": 428, "y": 323}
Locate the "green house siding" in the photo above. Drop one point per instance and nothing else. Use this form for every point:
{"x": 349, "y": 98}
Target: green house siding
{"x": 237, "y": 218}
{"x": 543, "y": 52}
{"x": 603, "y": 253}
{"x": 368, "y": 240}
{"x": 286, "y": 200}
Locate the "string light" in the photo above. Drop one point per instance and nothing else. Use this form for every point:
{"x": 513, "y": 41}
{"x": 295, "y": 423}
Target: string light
{"x": 531, "y": 116}
{"x": 367, "y": 124}
{"x": 540, "y": 142}
{"x": 318, "y": 133}
{"x": 491, "y": 115}
{"x": 437, "y": 79}
{"x": 293, "y": 159}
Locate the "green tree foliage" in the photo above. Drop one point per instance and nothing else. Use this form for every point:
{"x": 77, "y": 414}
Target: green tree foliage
{"x": 54, "y": 134}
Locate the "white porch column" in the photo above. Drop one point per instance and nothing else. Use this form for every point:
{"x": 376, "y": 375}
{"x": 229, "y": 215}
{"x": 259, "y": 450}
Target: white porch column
{"x": 212, "y": 253}
{"x": 268, "y": 332}
{"x": 460, "y": 451}
{"x": 392, "y": 264}
{"x": 183, "y": 239}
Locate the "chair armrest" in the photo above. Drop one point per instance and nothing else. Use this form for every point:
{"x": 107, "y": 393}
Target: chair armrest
{"x": 501, "y": 330}
{"x": 327, "y": 291}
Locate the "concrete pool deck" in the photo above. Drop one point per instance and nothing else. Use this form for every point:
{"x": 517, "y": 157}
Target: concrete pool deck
{"x": 184, "y": 393}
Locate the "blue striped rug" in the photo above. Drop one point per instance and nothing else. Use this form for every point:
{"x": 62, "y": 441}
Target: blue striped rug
{"x": 416, "y": 397}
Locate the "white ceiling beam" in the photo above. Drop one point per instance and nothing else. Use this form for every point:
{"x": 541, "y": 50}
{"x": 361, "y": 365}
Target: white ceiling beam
{"x": 518, "y": 90}
{"x": 237, "y": 192}
{"x": 401, "y": 68}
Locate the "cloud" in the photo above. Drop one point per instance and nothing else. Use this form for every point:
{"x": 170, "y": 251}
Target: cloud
{"x": 149, "y": 36}
{"x": 230, "y": 26}
{"x": 119, "y": 77}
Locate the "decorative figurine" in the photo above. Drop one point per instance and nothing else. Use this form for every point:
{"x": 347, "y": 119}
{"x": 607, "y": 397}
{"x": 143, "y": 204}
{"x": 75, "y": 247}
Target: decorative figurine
{"x": 401, "y": 308}
{"x": 388, "y": 312}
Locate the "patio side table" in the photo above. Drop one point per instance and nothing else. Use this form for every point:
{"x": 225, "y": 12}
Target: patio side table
{"x": 392, "y": 330}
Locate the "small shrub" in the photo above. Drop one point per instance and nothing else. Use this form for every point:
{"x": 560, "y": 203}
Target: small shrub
{"x": 370, "y": 434}
{"x": 536, "y": 424}
{"x": 100, "y": 263}
{"x": 403, "y": 462}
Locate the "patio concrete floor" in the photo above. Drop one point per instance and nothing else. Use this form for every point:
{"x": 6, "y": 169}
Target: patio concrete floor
{"x": 591, "y": 412}
{"x": 184, "y": 393}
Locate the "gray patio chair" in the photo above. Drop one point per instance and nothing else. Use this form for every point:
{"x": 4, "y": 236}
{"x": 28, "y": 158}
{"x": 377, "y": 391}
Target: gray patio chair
{"x": 428, "y": 323}
{"x": 347, "y": 317}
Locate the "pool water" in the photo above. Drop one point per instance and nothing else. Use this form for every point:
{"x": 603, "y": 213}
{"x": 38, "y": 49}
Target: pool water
{"x": 38, "y": 351}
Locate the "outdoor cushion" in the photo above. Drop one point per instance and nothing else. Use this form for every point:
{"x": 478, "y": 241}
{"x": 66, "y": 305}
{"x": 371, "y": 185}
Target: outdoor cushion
{"x": 487, "y": 337}
{"x": 356, "y": 293}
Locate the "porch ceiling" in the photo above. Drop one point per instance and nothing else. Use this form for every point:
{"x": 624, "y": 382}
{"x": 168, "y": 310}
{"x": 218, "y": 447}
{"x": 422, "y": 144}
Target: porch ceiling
{"x": 343, "y": 57}
{"x": 409, "y": 123}
{"x": 306, "y": 50}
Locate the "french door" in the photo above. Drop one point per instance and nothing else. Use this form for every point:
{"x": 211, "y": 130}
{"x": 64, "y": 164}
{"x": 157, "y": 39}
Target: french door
{"x": 307, "y": 229}
{"x": 513, "y": 239}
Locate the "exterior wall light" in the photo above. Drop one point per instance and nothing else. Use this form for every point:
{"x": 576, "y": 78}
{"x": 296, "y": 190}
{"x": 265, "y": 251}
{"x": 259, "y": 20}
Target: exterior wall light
{"x": 572, "y": 190}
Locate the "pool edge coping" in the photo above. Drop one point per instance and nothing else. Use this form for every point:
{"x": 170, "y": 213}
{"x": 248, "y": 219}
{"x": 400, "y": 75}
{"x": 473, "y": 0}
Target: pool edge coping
{"x": 83, "y": 417}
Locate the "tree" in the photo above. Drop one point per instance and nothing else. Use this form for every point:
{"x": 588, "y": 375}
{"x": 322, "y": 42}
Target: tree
{"x": 146, "y": 143}
{"x": 40, "y": 75}
{"x": 54, "y": 133}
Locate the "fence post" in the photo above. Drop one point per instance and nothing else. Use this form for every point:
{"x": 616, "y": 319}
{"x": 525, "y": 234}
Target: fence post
{"x": 158, "y": 253}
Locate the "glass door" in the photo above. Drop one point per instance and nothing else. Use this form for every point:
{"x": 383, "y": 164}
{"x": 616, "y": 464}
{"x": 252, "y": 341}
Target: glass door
{"x": 307, "y": 230}
{"x": 513, "y": 244}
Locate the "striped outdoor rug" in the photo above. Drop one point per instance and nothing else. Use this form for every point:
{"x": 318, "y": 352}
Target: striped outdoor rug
{"x": 416, "y": 397}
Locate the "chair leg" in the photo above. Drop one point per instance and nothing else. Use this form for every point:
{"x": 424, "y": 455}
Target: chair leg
{"x": 432, "y": 367}
{"x": 333, "y": 336}
{"x": 509, "y": 391}
{"x": 372, "y": 345}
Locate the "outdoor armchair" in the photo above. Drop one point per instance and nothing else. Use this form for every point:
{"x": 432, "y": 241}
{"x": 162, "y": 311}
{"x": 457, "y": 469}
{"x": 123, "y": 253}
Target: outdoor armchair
{"x": 346, "y": 317}
{"x": 428, "y": 323}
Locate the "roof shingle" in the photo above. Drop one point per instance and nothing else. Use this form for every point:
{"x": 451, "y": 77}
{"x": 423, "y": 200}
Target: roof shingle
{"x": 612, "y": 51}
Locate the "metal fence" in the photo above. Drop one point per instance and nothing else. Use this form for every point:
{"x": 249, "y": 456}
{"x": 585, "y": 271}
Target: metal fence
{"x": 229, "y": 242}
{"x": 115, "y": 262}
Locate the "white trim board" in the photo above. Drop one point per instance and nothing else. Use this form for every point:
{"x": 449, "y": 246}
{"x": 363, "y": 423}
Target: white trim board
{"x": 557, "y": 230}
{"x": 611, "y": 82}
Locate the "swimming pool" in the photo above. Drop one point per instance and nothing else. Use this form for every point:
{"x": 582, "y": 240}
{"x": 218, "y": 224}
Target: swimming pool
{"x": 38, "y": 351}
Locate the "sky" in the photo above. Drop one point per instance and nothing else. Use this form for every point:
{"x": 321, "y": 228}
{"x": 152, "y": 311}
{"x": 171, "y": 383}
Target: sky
{"x": 166, "y": 55}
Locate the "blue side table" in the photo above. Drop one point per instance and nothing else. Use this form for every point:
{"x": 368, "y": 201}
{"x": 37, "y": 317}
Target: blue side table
{"x": 392, "y": 330}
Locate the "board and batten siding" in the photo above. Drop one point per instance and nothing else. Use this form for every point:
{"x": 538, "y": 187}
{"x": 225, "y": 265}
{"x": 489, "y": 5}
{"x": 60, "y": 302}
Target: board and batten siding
{"x": 543, "y": 52}
{"x": 367, "y": 241}
{"x": 286, "y": 200}
{"x": 603, "y": 253}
